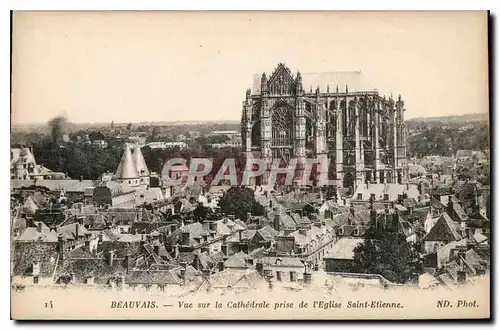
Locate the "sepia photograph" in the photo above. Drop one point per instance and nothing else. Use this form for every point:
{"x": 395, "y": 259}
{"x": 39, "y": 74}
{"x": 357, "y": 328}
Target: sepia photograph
{"x": 250, "y": 165}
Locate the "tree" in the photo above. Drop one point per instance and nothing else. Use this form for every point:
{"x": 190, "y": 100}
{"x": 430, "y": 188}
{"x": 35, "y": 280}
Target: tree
{"x": 240, "y": 201}
{"x": 387, "y": 253}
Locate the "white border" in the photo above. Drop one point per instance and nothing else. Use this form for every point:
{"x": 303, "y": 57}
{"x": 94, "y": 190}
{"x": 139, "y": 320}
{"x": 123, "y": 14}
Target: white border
{"x": 492, "y": 5}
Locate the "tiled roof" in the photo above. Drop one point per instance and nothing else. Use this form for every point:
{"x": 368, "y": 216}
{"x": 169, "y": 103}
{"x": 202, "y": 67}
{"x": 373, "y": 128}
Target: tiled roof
{"x": 32, "y": 234}
{"x": 96, "y": 267}
{"x": 54, "y": 185}
{"x": 392, "y": 189}
{"x": 282, "y": 262}
{"x": 30, "y": 206}
{"x": 69, "y": 231}
{"x": 235, "y": 278}
{"x": 443, "y": 230}
{"x": 344, "y": 248}
{"x": 27, "y": 254}
{"x": 238, "y": 260}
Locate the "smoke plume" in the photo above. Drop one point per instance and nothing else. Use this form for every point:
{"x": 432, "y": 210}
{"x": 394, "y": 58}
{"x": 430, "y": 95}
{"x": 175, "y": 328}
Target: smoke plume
{"x": 58, "y": 126}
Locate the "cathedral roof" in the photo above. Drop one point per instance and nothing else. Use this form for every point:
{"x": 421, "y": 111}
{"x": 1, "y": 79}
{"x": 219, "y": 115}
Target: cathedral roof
{"x": 139, "y": 161}
{"x": 127, "y": 169}
{"x": 354, "y": 80}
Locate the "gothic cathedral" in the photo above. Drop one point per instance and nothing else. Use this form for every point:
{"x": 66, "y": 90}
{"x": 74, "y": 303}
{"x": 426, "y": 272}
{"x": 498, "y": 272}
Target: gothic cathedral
{"x": 360, "y": 132}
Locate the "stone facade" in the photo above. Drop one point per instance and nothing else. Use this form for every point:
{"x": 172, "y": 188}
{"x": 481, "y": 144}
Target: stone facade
{"x": 359, "y": 131}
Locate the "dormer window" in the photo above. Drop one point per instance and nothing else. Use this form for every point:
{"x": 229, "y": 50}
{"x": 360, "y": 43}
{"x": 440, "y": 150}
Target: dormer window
{"x": 356, "y": 232}
{"x": 341, "y": 231}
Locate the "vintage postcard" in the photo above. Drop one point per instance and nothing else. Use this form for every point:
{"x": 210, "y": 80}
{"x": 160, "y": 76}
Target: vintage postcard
{"x": 250, "y": 165}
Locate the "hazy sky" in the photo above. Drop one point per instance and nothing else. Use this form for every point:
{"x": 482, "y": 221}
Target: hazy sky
{"x": 161, "y": 66}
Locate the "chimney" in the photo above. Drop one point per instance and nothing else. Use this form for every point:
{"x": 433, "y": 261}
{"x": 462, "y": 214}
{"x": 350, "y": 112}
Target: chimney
{"x": 260, "y": 267}
{"x": 308, "y": 277}
{"x": 99, "y": 240}
{"x": 240, "y": 233}
{"x": 224, "y": 249}
{"x": 60, "y": 241}
{"x": 204, "y": 249}
{"x": 249, "y": 215}
{"x": 127, "y": 263}
{"x": 270, "y": 204}
{"x": 185, "y": 238}
{"x": 39, "y": 226}
{"x": 373, "y": 214}
{"x": 111, "y": 258}
{"x": 225, "y": 220}
{"x": 277, "y": 222}
{"x": 410, "y": 210}
{"x": 470, "y": 243}
{"x": 449, "y": 209}
{"x": 352, "y": 209}
{"x": 176, "y": 251}
{"x": 206, "y": 225}
{"x": 77, "y": 231}
{"x": 461, "y": 276}
{"x": 196, "y": 262}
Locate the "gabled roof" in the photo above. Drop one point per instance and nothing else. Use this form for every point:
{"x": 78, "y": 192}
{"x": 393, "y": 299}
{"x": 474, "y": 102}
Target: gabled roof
{"x": 238, "y": 260}
{"x": 32, "y": 234}
{"x": 30, "y": 206}
{"x": 443, "y": 230}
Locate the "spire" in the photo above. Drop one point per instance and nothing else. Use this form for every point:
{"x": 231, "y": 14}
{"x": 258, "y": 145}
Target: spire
{"x": 126, "y": 169}
{"x": 299, "y": 76}
{"x": 139, "y": 162}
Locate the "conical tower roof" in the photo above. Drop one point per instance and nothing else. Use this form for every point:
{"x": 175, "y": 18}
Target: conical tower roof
{"x": 126, "y": 169}
{"x": 139, "y": 161}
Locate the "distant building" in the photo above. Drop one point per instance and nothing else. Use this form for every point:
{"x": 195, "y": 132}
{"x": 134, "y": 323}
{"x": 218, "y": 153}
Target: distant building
{"x": 137, "y": 140}
{"x": 114, "y": 194}
{"x": 101, "y": 144}
{"x": 24, "y": 167}
{"x": 167, "y": 145}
